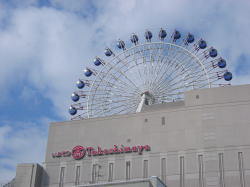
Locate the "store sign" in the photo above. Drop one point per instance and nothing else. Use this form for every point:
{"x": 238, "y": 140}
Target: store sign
{"x": 78, "y": 152}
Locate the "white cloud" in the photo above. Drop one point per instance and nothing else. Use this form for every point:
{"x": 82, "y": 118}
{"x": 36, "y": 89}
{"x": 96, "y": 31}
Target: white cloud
{"x": 50, "y": 47}
{"x": 3, "y": 132}
{"x": 45, "y": 47}
{"x": 82, "y": 6}
{"x": 20, "y": 142}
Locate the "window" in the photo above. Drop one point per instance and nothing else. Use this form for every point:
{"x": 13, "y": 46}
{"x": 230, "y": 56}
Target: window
{"x": 221, "y": 170}
{"x": 127, "y": 170}
{"x": 182, "y": 180}
{"x": 241, "y": 169}
{"x": 77, "y": 181}
{"x": 94, "y": 173}
{"x": 163, "y": 121}
{"x": 163, "y": 170}
{"x": 111, "y": 171}
{"x": 145, "y": 168}
{"x": 201, "y": 171}
{"x": 61, "y": 178}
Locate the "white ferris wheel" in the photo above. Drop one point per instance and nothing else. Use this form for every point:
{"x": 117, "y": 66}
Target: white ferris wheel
{"x": 146, "y": 73}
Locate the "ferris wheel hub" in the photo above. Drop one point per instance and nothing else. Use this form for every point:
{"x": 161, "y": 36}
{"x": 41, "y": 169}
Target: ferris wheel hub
{"x": 146, "y": 99}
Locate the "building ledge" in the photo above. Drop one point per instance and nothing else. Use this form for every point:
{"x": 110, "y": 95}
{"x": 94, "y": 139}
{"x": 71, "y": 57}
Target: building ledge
{"x": 150, "y": 182}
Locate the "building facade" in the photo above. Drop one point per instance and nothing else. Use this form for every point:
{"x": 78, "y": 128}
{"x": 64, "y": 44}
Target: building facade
{"x": 203, "y": 141}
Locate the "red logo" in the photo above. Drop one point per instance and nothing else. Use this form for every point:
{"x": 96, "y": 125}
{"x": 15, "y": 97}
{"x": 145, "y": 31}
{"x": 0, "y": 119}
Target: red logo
{"x": 78, "y": 152}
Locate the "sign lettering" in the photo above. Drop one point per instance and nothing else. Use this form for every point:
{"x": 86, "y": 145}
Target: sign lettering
{"x": 79, "y": 152}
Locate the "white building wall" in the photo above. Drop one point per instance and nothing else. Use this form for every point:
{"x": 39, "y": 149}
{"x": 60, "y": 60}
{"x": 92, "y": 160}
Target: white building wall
{"x": 211, "y": 122}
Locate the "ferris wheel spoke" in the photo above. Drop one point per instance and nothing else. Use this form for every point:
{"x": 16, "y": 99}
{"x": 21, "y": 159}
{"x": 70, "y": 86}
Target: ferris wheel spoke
{"x": 117, "y": 88}
{"x": 113, "y": 92}
{"x": 97, "y": 105}
{"x": 111, "y": 96}
{"x": 187, "y": 76}
{"x": 99, "y": 101}
{"x": 129, "y": 108}
{"x": 140, "y": 55}
{"x": 186, "y": 70}
{"x": 129, "y": 67}
{"x": 178, "y": 81}
{"x": 165, "y": 91}
{"x": 170, "y": 89}
{"x": 164, "y": 69}
{"x": 157, "y": 63}
{"x": 162, "y": 62}
{"x": 163, "y": 74}
{"x": 152, "y": 79}
{"x": 146, "y": 69}
{"x": 201, "y": 65}
{"x": 169, "y": 94}
{"x": 125, "y": 88}
{"x": 138, "y": 69}
{"x": 150, "y": 67}
{"x": 116, "y": 78}
{"x": 153, "y": 62}
{"x": 120, "y": 80}
{"x": 162, "y": 79}
{"x": 111, "y": 109}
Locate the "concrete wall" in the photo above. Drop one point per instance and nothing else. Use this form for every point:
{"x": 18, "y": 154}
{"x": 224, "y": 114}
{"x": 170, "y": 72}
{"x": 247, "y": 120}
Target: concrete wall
{"x": 28, "y": 175}
{"x": 208, "y": 134}
{"x": 147, "y": 182}
{"x": 127, "y": 184}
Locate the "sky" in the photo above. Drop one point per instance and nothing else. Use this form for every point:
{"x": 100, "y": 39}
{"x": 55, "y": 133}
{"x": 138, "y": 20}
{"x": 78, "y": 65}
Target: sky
{"x": 45, "y": 45}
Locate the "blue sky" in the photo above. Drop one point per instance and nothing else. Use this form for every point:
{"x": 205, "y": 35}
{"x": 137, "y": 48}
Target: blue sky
{"x": 45, "y": 44}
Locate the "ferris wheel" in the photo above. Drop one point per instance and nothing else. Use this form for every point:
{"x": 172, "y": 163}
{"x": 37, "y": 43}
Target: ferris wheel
{"x": 150, "y": 72}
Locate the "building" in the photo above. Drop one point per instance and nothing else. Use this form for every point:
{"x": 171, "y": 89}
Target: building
{"x": 202, "y": 141}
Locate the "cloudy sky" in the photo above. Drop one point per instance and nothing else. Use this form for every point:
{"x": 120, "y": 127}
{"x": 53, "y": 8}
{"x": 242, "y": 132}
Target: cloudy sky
{"x": 45, "y": 44}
